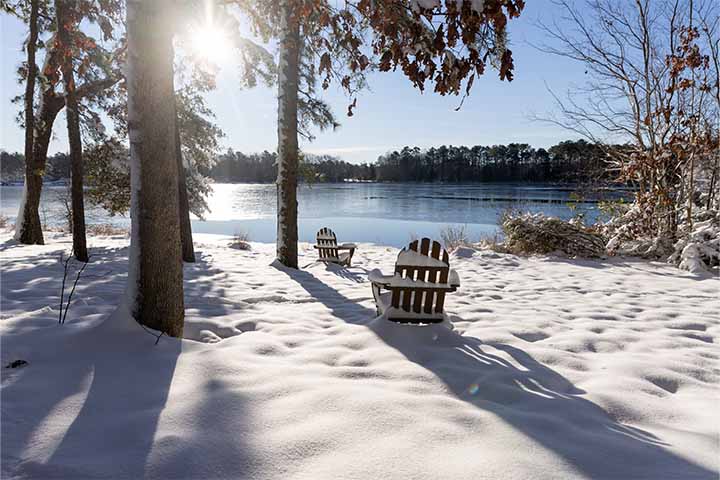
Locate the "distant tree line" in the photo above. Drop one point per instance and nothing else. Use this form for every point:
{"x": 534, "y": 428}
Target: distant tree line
{"x": 569, "y": 161}
{"x": 572, "y": 161}
{"x": 12, "y": 167}
{"x": 235, "y": 166}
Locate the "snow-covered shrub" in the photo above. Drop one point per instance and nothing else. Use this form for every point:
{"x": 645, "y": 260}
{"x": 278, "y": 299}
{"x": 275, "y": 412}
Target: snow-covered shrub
{"x": 492, "y": 242}
{"x": 240, "y": 241}
{"x": 105, "y": 230}
{"x": 694, "y": 249}
{"x": 453, "y": 237}
{"x": 4, "y": 222}
{"x": 699, "y": 249}
{"x": 628, "y": 236}
{"x": 539, "y": 234}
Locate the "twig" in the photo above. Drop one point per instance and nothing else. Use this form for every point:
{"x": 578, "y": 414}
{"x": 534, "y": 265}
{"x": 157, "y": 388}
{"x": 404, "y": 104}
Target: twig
{"x": 147, "y": 330}
{"x": 62, "y": 292}
{"x": 77, "y": 278}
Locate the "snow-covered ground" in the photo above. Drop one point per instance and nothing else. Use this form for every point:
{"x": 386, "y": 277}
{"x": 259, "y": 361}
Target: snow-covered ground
{"x": 554, "y": 369}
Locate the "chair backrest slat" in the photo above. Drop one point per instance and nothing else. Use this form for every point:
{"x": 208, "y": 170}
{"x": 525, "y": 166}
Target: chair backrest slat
{"x": 417, "y": 304}
{"x": 327, "y": 244}
{"x": 424, "y": 261}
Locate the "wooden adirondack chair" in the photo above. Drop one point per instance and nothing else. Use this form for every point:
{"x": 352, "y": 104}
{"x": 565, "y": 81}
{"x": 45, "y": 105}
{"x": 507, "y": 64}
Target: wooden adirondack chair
{"x": 416, "y": 292}
{"x": 329, "y": 250}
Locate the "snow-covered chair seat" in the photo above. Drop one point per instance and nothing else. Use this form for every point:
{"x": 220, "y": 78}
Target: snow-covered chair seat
{"x": 329, "y": 250}
{"x": 416, "y": 291}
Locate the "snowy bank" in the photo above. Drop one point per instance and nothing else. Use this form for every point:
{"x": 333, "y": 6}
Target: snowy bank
{"x": 549, "y": 369}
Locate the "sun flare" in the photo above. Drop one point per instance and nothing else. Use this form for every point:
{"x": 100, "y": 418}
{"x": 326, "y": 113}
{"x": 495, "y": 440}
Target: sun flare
{"x": 209, "y": 42}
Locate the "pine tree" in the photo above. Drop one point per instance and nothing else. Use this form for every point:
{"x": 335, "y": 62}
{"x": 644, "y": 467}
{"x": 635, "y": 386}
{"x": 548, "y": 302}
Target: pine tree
{"x": 67, "y": 20}
{"x": 288, "y": 155}
{"x": 28, "y": 229}
{"x": 442, "y": 42}
{"x": 99, "y": 70}
{"x": 155, "y": 280}
{"x": 186, "y": 240}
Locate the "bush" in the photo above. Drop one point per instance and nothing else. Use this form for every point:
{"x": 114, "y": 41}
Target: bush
{"x": 629, "y": 236}
{"x": 699, "y": 249}
{"x": 453, "y": 237}
{"x": 492, "y": 242}
{"x": 240, "y": 241}
{"x": 527, "y": 234}
{"x": 105, "y": 230}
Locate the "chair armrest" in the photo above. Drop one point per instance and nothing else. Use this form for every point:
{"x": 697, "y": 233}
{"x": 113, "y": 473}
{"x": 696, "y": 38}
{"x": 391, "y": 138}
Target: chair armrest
{"x": 397, "y": 282}
{"x": 376, "y": 276}
{"x": 454, "y": 278}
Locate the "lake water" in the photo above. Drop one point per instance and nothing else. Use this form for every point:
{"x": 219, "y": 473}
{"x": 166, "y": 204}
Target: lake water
{"x": 387, "y": 214}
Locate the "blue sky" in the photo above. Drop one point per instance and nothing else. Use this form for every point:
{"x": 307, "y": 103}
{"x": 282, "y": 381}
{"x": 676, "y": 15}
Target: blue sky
{"x": 390, "y": 115}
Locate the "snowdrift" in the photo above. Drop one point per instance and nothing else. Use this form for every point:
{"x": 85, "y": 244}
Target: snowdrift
{"x": 545, "y": 369}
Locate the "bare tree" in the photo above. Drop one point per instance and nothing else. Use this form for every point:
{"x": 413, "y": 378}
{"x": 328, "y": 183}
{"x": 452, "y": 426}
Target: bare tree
{"x": 708, "y": 18}
{"x": 636, "y": 93}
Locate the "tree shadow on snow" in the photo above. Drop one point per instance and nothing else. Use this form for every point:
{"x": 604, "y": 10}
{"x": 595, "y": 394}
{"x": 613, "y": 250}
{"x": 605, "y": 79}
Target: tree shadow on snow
{"x": 89, "y": 402}
{"x": 542, "y": 404}
{"x": 89, "y": 398}
{"x": 529, "y": 396}
{"x": 36, "y": 281}
{"x": 353, "y": 274}
{"x": 31, "y": 286}
{"x": 342, "y": 307}
{"x": 637, "y": 264}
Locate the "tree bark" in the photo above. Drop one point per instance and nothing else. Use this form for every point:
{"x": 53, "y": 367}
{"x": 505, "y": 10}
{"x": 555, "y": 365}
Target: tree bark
{"x": 155, "y": 280}
{"x": 51, "y": 106}
{"x": 287, "y": 211}
{"x": 186, "y": 240}
{"x": 65, "y": 17}
{"x": 28, "y": 229}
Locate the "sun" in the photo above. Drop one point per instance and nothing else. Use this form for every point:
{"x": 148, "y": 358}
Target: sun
{"x": 210, "y": 42}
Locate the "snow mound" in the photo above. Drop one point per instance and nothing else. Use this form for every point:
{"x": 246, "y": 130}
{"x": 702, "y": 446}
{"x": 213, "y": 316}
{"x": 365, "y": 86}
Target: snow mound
{"x": 699, "y": 252}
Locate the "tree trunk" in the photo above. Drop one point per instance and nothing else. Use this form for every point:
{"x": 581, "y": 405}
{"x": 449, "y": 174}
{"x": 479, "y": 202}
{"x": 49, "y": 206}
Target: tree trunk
{"x": 155, "y": 280}
{"x": 65, "y": 19}
{"x": 287, "y": 229}
{"x": 27, "y": 227}
{"x": 186, "y": 240}
{"x": 49, "y": 110}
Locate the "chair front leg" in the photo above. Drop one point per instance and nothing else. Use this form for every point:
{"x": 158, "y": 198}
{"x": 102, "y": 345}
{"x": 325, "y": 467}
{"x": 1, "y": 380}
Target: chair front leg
{"x": 376, "y": 290}
{"x": 350, "y": 255}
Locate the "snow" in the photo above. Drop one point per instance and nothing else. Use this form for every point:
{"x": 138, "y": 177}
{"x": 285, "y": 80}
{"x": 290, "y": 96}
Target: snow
{"x": 412, "y": 258}
{"x": 415, "y": 5}
{"x": 398, "y": 281}
{"x": 700, "y": 249}
{"x": 546, "y": 368}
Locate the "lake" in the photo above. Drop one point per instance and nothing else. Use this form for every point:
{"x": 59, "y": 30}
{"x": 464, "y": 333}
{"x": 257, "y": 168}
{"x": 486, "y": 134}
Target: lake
{"x": 381, "y": 213}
